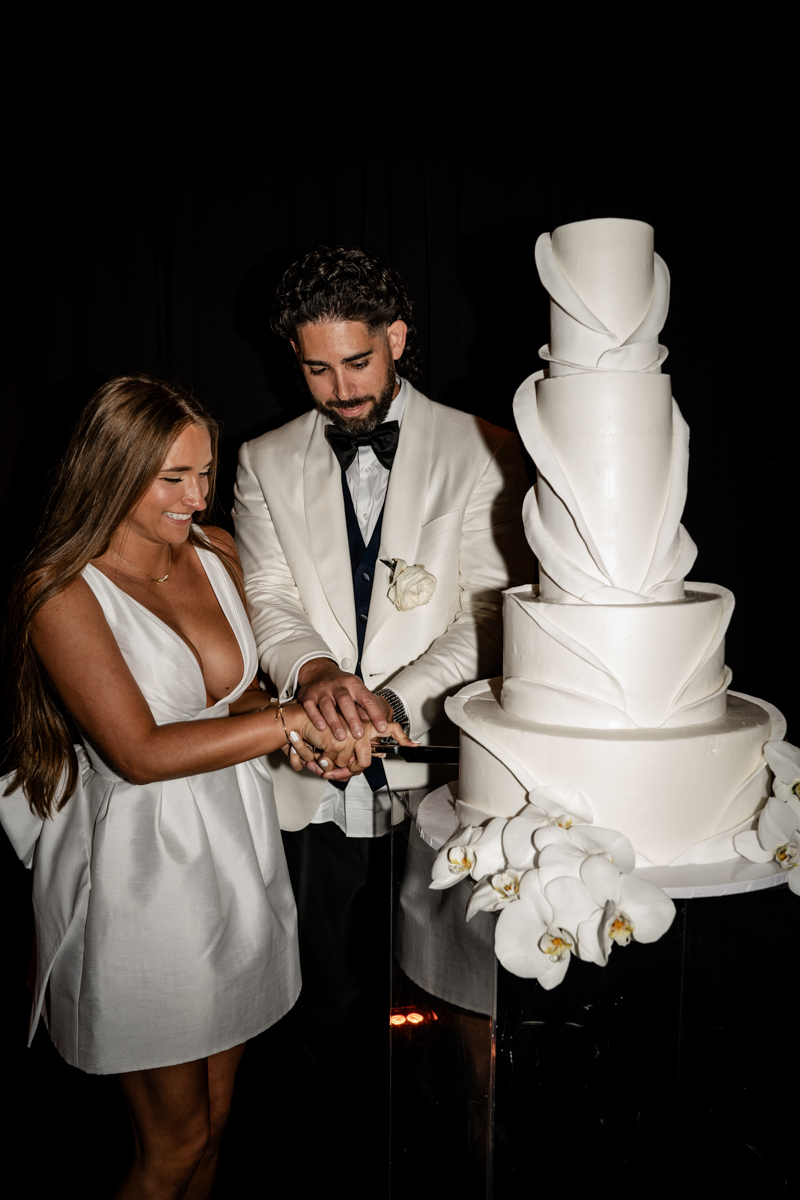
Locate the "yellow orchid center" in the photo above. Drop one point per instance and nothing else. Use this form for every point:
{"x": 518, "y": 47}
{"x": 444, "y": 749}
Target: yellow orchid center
{"x": 555, "y": 944}
{"x": 506, "y": 884}
{"x": 787, "y": 855}
{"x": 460, "y": 858}
{"x": 621, "y": 929}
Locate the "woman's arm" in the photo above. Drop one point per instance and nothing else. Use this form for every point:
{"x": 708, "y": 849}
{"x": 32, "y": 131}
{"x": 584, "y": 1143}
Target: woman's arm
{"x": 77, "y": 649}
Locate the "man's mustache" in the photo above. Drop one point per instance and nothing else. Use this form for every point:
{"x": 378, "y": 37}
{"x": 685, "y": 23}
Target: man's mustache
{"x": 345, "y": 404}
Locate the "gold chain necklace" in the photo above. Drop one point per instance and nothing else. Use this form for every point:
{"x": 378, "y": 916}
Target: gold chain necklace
{"x": 163, "y": 578}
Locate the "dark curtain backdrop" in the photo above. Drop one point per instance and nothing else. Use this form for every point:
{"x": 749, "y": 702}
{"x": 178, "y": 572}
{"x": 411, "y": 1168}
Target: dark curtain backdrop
{"x": 134, "y": 254}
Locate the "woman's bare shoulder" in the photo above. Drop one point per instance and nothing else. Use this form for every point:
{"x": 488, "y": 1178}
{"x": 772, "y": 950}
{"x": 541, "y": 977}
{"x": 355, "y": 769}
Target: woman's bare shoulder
{"x": 74, "y": 603}
{"x": 75, "y": 643}
{"x": 221, "y": 540}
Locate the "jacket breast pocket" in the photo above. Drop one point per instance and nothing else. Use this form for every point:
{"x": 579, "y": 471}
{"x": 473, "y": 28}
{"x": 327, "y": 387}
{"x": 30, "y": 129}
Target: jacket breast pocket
{"x": 439, "y": 527}
{"x": 439, "y": 551}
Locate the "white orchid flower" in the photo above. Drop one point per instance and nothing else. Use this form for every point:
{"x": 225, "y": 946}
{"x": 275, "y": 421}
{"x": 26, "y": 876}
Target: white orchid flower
{"x": 633, "y": 909}
{"x": 494, "y": 892}
{"x": 554, "y": 805}
{"x": 576, "y": 910}
{"x": 528, "y": 942}
{"x": 784, "y": 762}
{"x": 475, "y": 852}
{"x": 560, "y": 801}
{"x": 580, "y": 899}
{"x": 455, "y": 859}
{"x": 608, "y": 843}
{"x": 777, "y": 836}
{"x": 518, "y": 844}
{"x": 564, "y": 851}
{"x": 647, "y": 909}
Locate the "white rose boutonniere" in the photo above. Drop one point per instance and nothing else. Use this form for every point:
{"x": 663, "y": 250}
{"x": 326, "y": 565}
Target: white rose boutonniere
{"x": 411, "y": 586}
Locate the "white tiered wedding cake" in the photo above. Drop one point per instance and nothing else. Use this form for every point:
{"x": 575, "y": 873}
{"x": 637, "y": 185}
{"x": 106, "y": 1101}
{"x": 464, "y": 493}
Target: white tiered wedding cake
{"x": 611, "y": 754}
{"x": 614, "y": 681}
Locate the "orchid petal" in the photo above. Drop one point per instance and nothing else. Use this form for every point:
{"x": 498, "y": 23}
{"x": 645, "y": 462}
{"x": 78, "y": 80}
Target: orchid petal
{"x": 783, "y": 760}
{"x": 516, "y": 941}
{"x": 530, "y": 891}
{"x": 483, "y": 899}
{"x": 777, "y": 824}
{"x": 551, "y": 835}
{"x": 650, "y": 909}
{"x": 749, "y": 846}
{"x": 601, "y": 878}
{"x": 614, "y": 845}
{"x": 454, "y": 860}
{"x": 571, "y": 902}
{"x": 555, "y": 973}
{"x": 488, "y": 849}
{"x": 556, "y": 861}
{"x": 555, "y": 799}
{"x": 520, "y": 930}
{"x": 518, "y": 837}
{"x": 493, "y": 892}
{"x": 591, "y": 945}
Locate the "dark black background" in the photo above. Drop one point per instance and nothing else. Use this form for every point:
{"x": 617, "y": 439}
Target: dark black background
{"x": 157, "y": 249}
{"x": 162, "y": 255}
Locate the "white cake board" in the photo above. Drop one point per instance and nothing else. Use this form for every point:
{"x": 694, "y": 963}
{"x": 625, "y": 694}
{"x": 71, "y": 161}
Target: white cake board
{"x": 437, "y": 821}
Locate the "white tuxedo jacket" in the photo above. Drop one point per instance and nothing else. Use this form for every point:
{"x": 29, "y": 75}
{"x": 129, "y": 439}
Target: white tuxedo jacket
{"x": 453, "y": 505}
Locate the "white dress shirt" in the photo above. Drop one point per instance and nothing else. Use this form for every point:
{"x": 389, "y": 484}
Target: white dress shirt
{"x": 357, "y": 810}
{"x": 368, "y": 479}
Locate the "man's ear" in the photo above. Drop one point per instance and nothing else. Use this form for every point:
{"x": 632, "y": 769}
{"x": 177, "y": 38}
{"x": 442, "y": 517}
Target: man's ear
{"x": 396, "y": 337}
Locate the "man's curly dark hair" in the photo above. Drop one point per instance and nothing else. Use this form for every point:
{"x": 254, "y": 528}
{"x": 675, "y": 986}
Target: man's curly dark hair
{"x": 337, "y": 283}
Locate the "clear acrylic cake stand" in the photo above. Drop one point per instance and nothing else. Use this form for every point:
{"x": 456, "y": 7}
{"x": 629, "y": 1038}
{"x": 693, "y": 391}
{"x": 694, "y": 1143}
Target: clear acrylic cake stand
{"x": 437, "y": 821}
{"x": 666, "y": 1038}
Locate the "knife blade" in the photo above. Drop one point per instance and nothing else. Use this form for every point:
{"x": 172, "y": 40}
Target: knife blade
{"x": 421, "y": 754}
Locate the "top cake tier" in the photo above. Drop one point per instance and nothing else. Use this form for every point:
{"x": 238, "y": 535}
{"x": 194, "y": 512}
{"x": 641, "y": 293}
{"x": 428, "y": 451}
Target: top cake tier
{"x": 609, "y": 297}
{"x": 608, "y": 440}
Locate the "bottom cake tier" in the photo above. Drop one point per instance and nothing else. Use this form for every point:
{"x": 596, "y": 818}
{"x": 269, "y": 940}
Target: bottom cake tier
{"x": 679, "y": 795}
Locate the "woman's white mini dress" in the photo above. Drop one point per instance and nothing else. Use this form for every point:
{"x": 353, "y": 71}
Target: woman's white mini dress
{"x": 165, "y": 921}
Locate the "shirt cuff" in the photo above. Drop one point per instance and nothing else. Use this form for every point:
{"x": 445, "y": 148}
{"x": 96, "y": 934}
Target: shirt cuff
{"x": 290, "y": 690}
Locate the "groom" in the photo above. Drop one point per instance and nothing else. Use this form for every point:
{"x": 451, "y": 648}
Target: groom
{"x": 329, "y": 510}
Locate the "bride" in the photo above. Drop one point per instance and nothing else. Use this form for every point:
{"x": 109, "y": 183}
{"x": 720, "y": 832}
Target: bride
{"x": 165, "y": 922}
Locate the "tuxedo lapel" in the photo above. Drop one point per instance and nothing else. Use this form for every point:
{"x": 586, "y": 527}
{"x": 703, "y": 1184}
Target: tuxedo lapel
{"x": 327, "y": 528}
{"x": 405, "y": 502}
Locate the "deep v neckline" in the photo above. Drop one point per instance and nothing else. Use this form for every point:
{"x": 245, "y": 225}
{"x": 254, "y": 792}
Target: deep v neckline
{"x": 228, "y": 615}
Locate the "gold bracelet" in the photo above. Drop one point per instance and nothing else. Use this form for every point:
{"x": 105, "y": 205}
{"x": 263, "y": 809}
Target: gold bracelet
{"x": 279, "y": 713}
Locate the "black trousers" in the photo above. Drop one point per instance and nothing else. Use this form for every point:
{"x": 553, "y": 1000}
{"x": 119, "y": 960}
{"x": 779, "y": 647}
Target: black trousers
{"x": 342, "y": 887}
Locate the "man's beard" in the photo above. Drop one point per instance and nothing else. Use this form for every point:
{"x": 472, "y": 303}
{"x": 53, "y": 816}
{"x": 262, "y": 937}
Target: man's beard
{"x": 376, "y": 415}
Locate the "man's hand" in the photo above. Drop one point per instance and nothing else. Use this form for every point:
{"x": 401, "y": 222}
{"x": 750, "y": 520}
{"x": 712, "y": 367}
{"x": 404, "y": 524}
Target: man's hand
{"x": 335, "y": 700}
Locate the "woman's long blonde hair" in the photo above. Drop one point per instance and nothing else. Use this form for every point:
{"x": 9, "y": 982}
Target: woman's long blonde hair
{"x": 116, "y": 451}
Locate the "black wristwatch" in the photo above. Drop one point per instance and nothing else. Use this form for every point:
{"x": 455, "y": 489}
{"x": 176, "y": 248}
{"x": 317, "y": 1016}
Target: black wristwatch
{"x": 399, "y": 714}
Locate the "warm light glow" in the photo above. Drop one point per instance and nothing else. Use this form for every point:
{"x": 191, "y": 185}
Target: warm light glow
{"x": 411, "y": 1014}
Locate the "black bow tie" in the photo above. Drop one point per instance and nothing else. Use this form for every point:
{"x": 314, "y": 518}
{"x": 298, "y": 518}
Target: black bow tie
{"x": 383, "y": 440}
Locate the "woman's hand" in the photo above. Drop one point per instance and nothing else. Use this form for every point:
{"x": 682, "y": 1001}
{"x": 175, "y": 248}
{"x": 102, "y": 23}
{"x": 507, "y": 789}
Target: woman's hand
{"x": 354, "y": 754}
{"x": 324, "y": 754}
